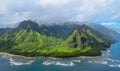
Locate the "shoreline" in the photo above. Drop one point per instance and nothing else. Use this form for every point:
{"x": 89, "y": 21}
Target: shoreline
{"x": 11, "y": 55}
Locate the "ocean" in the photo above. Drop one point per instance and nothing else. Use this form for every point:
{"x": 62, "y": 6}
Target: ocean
{"x": 109, "y": 61}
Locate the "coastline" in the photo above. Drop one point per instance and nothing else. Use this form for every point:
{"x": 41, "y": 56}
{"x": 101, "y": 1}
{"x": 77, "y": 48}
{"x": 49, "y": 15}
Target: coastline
{"x": 88, "y": 56}
{"x": 11, "y": 55}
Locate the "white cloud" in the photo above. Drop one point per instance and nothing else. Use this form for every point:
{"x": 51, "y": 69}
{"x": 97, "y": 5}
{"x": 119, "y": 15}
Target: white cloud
{"x": 53, "y": 2}
{"x": 3, "y": 8}
{"x": 102, "y": 1}
{"x": 113, "y": 25}
{"x": 12, "y": 11}
{"x": 109, "y": 23}
{"x": 115, "y": 16}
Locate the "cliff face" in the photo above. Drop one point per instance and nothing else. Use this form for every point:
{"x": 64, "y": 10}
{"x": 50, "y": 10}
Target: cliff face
{"x": 30, "y": 39}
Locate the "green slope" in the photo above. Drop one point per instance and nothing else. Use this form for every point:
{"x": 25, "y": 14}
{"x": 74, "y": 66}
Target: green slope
{"x": 28, "y": 40}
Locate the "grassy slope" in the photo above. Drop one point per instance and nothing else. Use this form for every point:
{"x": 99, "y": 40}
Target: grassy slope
{"x": 31, "y": 43}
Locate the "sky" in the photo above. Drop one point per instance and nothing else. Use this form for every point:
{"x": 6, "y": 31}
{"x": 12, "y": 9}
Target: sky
{"x": 105, "y": 12}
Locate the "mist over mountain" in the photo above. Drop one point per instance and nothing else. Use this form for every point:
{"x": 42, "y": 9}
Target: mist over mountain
{"x": 107, "y": 32}
{"x": 118, "y": 30}
{"x": 66, "y": 27}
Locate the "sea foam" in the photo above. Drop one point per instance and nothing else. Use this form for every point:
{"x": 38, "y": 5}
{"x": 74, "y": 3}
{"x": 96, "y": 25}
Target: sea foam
{"x": 64, "y": 64}
{"x": 107, "y": 61}
{"x": 59, "y": 63}
{"x": 48, "y": 62}
{"x": 13, "y": 62}
{"x": 76, "y": 61}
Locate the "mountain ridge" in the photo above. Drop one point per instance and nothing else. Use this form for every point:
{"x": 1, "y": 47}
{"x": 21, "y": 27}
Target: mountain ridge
{"x": 30, "y": 39}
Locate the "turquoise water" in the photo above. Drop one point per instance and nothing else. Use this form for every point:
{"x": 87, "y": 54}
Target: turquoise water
{"x": 109, "y": 61}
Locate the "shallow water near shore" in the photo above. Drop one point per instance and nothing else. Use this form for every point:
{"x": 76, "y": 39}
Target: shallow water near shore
{"x": 109, "y": 61}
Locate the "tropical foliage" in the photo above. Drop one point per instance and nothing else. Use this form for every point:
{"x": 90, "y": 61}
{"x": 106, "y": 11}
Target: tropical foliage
{"x": 30, "y": 39}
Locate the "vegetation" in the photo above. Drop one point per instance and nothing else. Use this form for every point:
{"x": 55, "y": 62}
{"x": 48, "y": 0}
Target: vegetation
{"x": 29, "y": 39}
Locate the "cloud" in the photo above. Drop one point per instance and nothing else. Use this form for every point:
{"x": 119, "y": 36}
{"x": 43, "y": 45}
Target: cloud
{"x": 115, "y": 16}
{"x": 14, "y": 11}
{"x": 109, "y": 23}
{"x": 53, "y": 2}
{"x": 117, "y": 30}
{"x": 112, "y": 24}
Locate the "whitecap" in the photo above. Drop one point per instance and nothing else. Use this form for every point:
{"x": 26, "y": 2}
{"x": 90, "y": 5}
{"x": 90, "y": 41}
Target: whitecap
{"x": 110, "y": 59}
{"x": 101, "y": 62}
{"x": 108, "y": 51}
{"x": 76, "y": 61}
{"x": 107, "y": 61}
{"x": 13, "y": 62}
{"x": 104, "y": 62}
{"x": 113, "y": 60}
{"x": 48, "y": 62}
{"x": 114, "y": 65}
{"x": 90, "y": 61}
{"x": 64, "y": 64}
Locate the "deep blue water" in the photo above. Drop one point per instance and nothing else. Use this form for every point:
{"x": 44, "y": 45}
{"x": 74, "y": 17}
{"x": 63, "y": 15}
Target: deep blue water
{"x": 109, "y": 61}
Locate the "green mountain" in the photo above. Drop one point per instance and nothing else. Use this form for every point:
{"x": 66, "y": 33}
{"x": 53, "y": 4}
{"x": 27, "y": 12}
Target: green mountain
{"x": 30, "y": 39}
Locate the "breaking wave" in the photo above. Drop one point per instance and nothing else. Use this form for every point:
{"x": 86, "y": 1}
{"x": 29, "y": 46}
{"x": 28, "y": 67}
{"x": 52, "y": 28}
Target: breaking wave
{"x": 48, "y": 62}
{"x": 100, "y": 62}
{"x": 114, "y": 65}
{"x": 61, "y": 63}
{"x": 107, "y": 61}
{"x": 13, "y": 62}
{"x": 76, "y": 61}
{"x": 64, "y": 64}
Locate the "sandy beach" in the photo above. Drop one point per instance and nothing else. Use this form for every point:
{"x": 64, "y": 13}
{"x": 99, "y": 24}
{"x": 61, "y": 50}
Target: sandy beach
{"x": 11, "y": 55}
